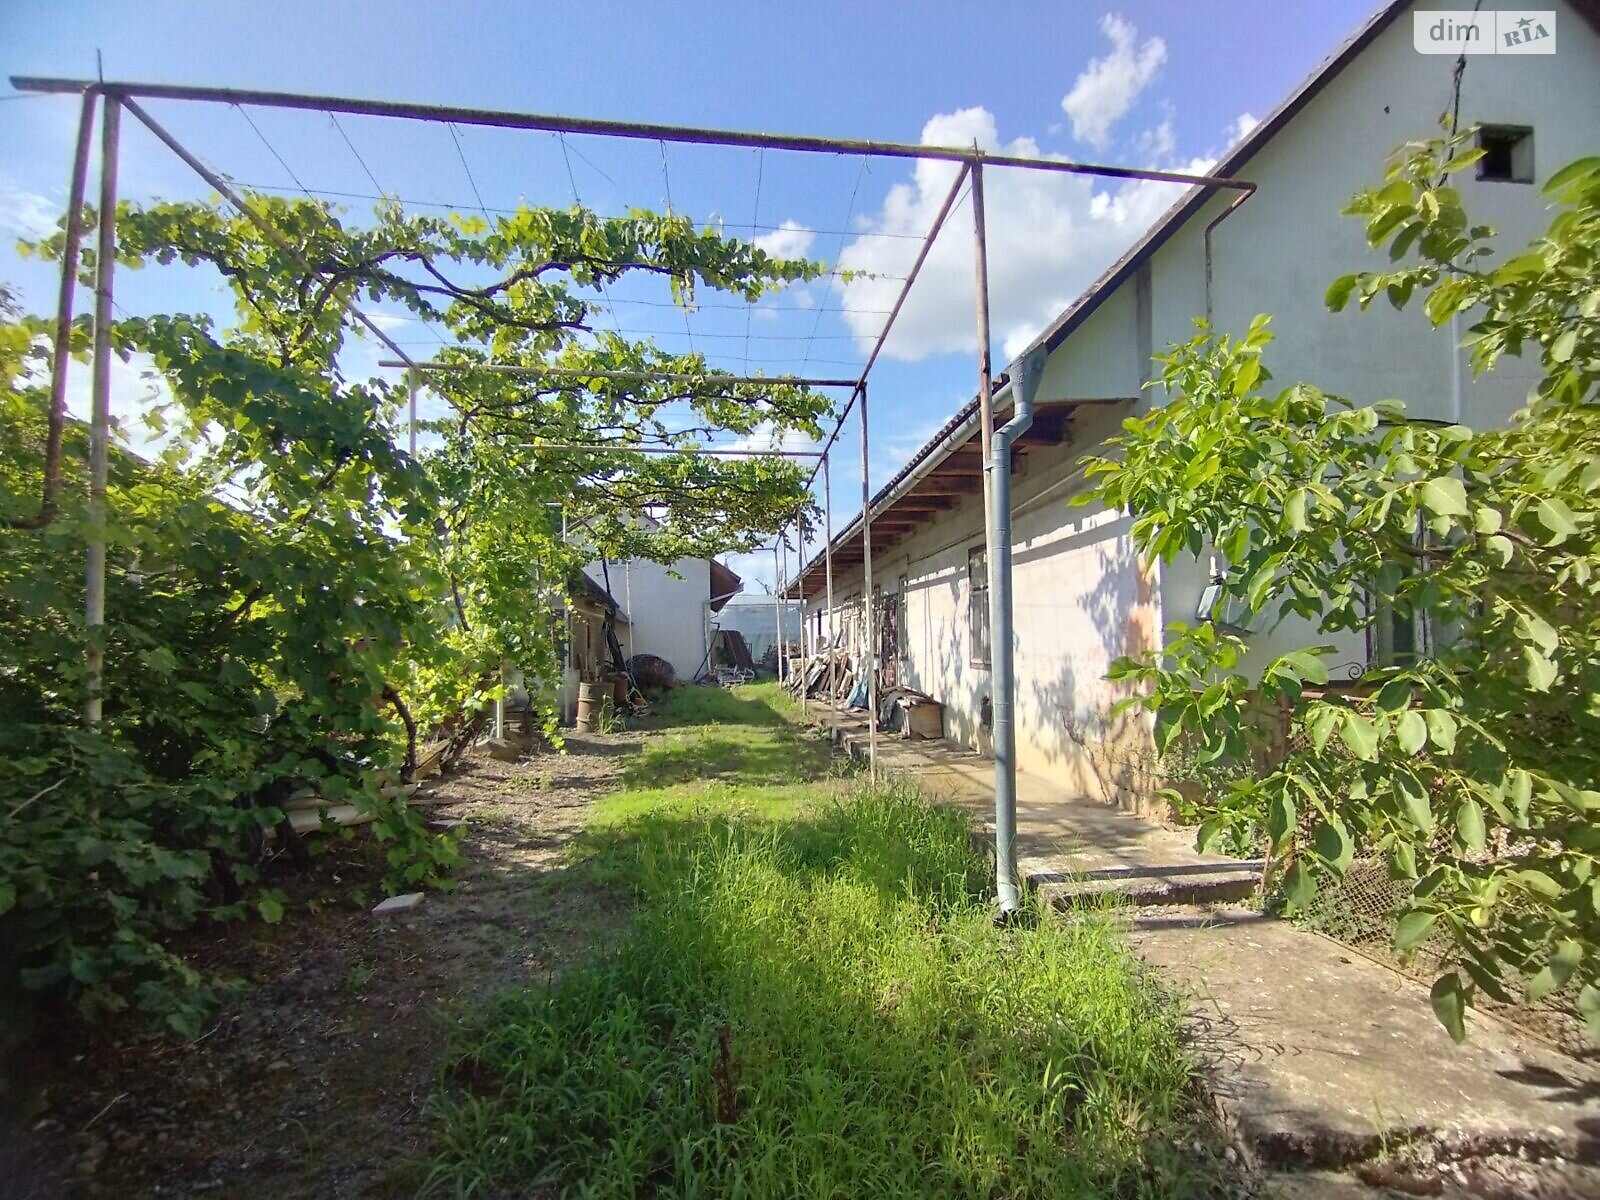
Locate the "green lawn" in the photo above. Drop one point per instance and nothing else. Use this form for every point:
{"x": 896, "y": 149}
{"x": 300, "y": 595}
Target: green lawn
{"x": 813, "y": 1000}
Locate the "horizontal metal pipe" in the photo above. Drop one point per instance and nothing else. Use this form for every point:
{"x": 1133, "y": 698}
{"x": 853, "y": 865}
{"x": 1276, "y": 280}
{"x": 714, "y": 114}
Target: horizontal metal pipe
{"x": 503, "y": 119}
{"x": 624, "y": 448}
{"x": 633, "y": 376}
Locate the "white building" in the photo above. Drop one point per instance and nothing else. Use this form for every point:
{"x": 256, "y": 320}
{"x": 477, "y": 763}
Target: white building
{"x": 1082, "y": 598}
{"x": 662, "y": 610}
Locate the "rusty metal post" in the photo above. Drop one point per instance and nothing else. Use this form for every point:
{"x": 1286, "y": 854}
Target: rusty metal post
{"x": 980, "y": 247}
{"x": 866, "y": 596}
{"x": 800, "y": 583}
{"x": 94, "y": 604}
{"x": 777, "y": 612}
{"x": 827, "y": 567}
{"x": 783, "y": 586}
{"x": 61, "y": 348}
{"x": 411, "y": 407}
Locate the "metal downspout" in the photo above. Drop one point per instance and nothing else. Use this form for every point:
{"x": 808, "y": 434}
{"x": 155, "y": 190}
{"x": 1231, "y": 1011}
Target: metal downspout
{"x": 1025, "y": 374}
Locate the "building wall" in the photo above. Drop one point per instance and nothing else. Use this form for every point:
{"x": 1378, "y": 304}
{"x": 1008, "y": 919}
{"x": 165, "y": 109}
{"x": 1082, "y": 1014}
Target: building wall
{"x": 666, "y": 608}
{"x": 1333, "y": 148}
{"x": 1081, "y": 596}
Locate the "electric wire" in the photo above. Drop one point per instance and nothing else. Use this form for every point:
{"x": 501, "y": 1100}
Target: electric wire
{"x": 577, "y": 199}
{"x": 378, "y": 187}
{"x": 666, "y": 180}
{"x": 284, "y": 163}
{"x": 719, "y": 221}
{"x": 455, "y": 136}
{"x": 755, "y": 219}
{"x": 850, "y": 211}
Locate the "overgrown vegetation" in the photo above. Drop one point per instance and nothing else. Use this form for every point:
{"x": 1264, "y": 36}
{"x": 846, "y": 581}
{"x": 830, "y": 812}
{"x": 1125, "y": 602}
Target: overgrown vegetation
{"x": 1471, "y": 768}
{"x": 293, "y": 599}
{"x": 814, "y": 1000}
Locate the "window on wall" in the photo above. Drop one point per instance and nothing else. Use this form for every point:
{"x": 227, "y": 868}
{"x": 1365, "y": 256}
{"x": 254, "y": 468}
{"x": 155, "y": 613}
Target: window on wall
{"x": 1507, "y": 153}
{"x": 978, "y": 606}
{"x": 1398, "y": 635}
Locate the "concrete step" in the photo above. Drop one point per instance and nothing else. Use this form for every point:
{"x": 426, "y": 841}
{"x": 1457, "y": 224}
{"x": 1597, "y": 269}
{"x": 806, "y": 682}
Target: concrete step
{"x": 1148, "y": 885}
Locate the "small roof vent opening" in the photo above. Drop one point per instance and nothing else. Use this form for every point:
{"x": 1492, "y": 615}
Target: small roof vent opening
{"x": 1507, "y": 153}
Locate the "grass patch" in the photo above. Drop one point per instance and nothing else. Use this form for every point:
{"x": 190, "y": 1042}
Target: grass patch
{"x": 751, "y": 704}
{"x": 716, "y": 739}
{"x": 813, "y": 1000}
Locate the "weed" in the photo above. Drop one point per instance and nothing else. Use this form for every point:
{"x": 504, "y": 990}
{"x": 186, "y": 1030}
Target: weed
{"x": 358, "y": 976}
{"x": 813, "y": 999}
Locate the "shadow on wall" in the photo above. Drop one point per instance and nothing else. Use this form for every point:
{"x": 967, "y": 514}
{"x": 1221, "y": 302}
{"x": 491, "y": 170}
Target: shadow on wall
{"x": 959, "y": 684}
{"x": 1065, "y": 708}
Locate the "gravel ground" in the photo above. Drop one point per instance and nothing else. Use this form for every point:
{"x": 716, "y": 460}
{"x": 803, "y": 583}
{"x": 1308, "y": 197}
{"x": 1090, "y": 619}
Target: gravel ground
{"x": 312, "y": 1083}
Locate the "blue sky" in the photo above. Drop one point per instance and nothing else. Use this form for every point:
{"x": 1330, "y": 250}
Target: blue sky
{"x": 1144, "y": 84}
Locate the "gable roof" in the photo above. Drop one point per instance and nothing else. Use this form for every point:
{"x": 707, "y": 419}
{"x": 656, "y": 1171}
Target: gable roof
{"x": 724, "y": 583}
{"x": 961, "y": 427}
{"x": 585, "y": 590}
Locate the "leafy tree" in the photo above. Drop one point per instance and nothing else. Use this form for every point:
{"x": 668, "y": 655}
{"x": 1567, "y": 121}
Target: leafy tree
{"x": 293, "y": 599}
{"x": 1471, "y": 769}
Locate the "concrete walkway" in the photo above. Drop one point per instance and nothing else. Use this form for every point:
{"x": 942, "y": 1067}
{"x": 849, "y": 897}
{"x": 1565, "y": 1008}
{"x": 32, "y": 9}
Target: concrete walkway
{"x": 1316, "y": 1057}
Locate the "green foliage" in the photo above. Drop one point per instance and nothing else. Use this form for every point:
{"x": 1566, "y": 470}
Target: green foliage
{"x": 296, "y": 601}
{"x": 1472, "y": 770}
{"x": 815, "y": 1000}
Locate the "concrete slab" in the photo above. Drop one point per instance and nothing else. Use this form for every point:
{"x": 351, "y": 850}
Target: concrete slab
{"x": 396, "y": 905}
{"x": 1319, "y": 1056}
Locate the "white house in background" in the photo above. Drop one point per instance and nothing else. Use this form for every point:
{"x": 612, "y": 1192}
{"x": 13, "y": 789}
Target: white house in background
{"x": 1082, "y": 597}
{"x": 661, "y": 610}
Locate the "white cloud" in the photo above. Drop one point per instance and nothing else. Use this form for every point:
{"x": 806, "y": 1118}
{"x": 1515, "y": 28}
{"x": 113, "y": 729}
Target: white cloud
{"x": 755, "y": 569}
{"x": 1108, "y": 86}
{"x": 26, "y": 214}
{"x": 789, "y": 240}
{"x": 136, "y": 388}
{"x": 764, "y": 440}
{"x": 389, "y": 322}
{"x": 1158, "y": 143}
{"x": 1049, "y": 236}
{"x": 1242, "y": 127}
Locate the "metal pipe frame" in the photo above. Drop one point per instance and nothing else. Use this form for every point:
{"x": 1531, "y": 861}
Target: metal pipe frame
{"x": 105, "y": 266}
{"x": 625, "y": 448}
{"x": 120, "y": 94}
{"x": 549, "y": 123}
{"x": 968, "y": 157}
{"x": 625, "y": 376}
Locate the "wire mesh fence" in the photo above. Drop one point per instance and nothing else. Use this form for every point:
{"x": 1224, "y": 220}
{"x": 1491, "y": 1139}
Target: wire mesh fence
{"x": 1360, "y": 910}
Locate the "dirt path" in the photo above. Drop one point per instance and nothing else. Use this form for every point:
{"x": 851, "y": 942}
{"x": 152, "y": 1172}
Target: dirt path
{"x": 313, "y": 1082}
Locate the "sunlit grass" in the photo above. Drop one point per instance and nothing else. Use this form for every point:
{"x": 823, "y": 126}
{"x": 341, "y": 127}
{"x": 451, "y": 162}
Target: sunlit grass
{"x": 814, "y": 1000}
